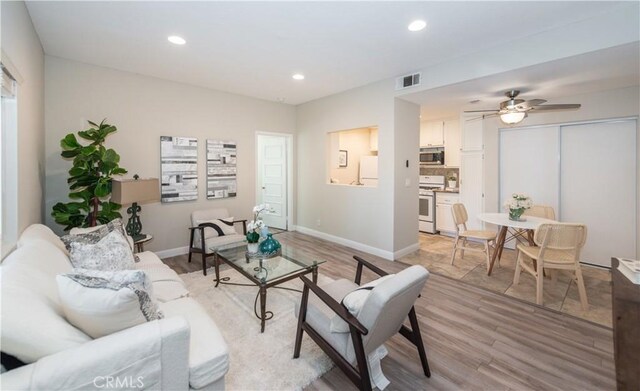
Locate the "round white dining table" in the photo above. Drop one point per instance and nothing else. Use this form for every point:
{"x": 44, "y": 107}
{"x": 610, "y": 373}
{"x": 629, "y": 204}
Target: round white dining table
{"x": 527, "y": 225}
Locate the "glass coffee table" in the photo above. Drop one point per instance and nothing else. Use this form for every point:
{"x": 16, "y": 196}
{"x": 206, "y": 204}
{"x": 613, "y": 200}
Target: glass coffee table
{"x": 265, "y": 273}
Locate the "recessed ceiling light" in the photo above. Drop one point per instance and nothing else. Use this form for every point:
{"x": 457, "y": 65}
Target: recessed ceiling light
{"x": 417, "y": 25}
{"x": 298, "y": 76}
{"x": 174, "y": 39}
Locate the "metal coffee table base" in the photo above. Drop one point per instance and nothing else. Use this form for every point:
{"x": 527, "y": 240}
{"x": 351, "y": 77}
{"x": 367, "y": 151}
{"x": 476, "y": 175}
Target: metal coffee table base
{"x": 263, "y": 286}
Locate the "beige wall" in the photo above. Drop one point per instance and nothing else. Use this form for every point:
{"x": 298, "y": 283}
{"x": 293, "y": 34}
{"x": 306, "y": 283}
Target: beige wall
{"x": 357, "y": 143}
{"x": 23, "y": 53}
{"x": 145, "y": 108}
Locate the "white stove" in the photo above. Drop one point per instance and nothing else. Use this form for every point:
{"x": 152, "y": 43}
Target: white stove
{"x": 426, "y": 185}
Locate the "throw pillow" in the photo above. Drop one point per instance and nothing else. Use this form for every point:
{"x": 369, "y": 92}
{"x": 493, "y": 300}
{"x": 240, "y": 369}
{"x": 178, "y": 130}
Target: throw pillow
{"x": 94, "y": 234}
{"x": 101, "y": 303}
{"x": 354, "y": 301}
{"x": 112, "y": 252}
{"x": 222, "y": 227}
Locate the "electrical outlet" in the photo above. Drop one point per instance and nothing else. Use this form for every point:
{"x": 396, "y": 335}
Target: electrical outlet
{"x": 318, "y": 223}
{"x": 407, "y": 182}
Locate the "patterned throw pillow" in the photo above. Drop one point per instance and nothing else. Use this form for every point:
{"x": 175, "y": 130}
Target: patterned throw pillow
{"x": 94, "y": 234}
{"x": 112, "y": 252}
{"x": 104, "y": 302}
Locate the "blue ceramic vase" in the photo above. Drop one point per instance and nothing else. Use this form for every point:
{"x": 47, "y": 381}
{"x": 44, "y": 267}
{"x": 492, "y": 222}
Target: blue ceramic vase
{"x": 270, "y": 246}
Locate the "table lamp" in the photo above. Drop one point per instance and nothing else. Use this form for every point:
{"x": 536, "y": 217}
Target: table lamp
{"x": 135, "y": 191}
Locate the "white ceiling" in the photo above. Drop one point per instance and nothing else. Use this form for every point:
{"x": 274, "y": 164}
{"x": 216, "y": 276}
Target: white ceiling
{"x": 253, "y": 48}
{"x": 606, "y": 69}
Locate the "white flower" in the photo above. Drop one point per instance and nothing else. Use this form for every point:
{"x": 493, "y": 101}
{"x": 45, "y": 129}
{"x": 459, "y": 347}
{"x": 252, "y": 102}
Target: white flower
{"x": 518, "y": 201}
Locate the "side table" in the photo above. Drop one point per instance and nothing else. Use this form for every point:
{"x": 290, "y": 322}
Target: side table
{"x": 140, "y": 242}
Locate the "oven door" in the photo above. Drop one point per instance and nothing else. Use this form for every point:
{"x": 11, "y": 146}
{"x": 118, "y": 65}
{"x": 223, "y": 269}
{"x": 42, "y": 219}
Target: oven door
{"x": 426, "y": 208}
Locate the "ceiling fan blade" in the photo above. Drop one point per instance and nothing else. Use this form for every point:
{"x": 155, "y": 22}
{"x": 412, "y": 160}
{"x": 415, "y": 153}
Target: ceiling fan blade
{"x": 556, "y": 107}
{"x": 527, "y": 105}
{"x": 474, "y": 118}
{"x": 481, "y": 111}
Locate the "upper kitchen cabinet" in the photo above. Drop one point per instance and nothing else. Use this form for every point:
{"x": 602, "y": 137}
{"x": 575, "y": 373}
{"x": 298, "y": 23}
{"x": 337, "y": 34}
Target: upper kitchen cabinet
{"x": 472, "y": 129}
{"x": 452, "y": 143}
{"x": 373, "y": 139}
{"x": 431, "y": 133}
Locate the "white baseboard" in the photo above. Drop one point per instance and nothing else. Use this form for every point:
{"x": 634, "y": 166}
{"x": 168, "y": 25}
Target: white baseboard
{"x": 407, "y": 250}
{"x": 172, "y": 252}
{"x": 359, "y": 246}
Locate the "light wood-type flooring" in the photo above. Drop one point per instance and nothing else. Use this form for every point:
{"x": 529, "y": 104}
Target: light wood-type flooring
{"x": 435, "y": 255}
{"x": 475, "y": 339}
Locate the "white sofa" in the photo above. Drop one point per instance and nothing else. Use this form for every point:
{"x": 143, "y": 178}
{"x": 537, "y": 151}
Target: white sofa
{"x": 183, "y": 351}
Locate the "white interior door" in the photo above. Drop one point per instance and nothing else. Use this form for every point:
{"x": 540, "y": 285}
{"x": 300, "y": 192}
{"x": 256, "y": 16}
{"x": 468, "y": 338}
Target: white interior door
{"x": 530, "y": 164}
{"x": 598, "y": 187}
{"x": 272, "y": 178}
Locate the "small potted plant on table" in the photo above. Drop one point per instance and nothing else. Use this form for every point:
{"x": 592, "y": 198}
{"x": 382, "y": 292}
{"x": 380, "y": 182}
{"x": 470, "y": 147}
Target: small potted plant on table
{"x": 517, "y": 204}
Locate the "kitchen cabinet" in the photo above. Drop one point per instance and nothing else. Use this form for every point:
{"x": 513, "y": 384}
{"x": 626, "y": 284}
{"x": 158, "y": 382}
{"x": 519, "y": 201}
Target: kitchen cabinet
{"x": 444, "y": 216}
{"x": 373, "y": 139}
{"x": 432, "y": 133}
{"x": 472, "y": 129}
{"x": 472, "y": 186}
{"x": 452, "y": 140}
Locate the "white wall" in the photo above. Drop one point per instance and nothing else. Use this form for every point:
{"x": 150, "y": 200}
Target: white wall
{"x": 405, "y": 198}
{"x": 22, "y": 52}
{"x": 381, "y": 220}
{"x": 145, "y": 108}
{"x": 618, "y": 103}
{"x": 358, "y": 214}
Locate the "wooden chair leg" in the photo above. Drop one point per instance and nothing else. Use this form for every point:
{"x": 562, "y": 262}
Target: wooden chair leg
{"x": 361, "y": 359}
{"x": 455, "y": 248}
{"x": 486, "y": 251}
{"x": 190, "y": 253}
{"x": 302, "y": 316}
{"x": 464, "y": 244}
{"x": 539, "y": 284}
{"x": 581, "y": 289}
{"x": 204, "y": 264}
{"x": 417, "y": 340}
{"x": 516, "y": 276}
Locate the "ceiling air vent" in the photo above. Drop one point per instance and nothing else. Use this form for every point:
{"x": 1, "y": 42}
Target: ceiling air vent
{"x": 408, "y": 81}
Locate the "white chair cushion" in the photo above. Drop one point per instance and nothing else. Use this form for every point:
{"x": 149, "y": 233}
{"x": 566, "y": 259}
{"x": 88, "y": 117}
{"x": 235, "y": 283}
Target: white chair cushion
{"x": 354, "y": 301}
{"x": 104, "y": 302}
{"x": 208, "y": 351}
{"x": 41, "y": 232}
{"x": 33, "y": 322}
{"x": 167, "y": 285}
{"x": 217, "y": 242}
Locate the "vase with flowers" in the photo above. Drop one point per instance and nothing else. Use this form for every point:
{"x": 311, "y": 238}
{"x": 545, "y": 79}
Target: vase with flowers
{"x": 517, "y": 204}
{"x": 256, "y": 228}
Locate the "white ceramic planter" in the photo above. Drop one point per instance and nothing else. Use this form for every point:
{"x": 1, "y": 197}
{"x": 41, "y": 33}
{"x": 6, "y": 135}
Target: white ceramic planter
{"x": 252, "y": 248}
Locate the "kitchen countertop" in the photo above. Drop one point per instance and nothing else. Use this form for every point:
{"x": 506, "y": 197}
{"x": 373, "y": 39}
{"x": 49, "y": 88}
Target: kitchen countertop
{"x": 454, "y": 191}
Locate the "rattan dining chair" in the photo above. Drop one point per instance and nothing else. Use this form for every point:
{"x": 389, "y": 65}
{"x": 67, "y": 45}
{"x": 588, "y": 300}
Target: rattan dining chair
{"x": 460, "y": 218}
{"x": 543, "y": 211}
{"x": 558, "y": 247}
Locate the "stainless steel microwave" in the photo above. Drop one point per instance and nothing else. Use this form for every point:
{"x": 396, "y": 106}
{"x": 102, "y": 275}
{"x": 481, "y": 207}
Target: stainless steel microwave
{"x": 432, "y": 156}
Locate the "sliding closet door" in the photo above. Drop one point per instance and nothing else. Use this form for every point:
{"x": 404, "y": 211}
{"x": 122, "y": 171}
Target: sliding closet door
{"x": 529, "y": 163}
{"x": 598, "y": 187}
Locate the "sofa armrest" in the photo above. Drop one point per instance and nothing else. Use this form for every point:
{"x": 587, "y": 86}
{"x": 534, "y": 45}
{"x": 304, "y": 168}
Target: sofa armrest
{"x": 152, "y": 355}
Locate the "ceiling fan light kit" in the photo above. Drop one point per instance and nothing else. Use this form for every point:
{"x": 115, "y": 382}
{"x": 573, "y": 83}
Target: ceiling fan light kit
{"x": 513, "y": 111}
{"x": 513, "y": 117}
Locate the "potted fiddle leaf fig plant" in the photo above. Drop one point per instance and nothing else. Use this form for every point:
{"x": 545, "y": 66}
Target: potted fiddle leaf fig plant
{"x": 89, "y": 179}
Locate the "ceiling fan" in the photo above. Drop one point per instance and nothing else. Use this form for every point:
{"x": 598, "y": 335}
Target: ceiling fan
{"x": 513, "y": 111}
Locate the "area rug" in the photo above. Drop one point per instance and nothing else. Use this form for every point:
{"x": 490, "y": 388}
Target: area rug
{"x": 259, "y": 361}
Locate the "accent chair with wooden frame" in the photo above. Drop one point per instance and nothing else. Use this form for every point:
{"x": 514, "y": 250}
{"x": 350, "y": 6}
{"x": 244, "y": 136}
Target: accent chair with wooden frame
{"x": 381, "y": 317}
{"x": 208, "y": 246}
{"x": 557, "y": 247}
{"x": 460, "y": 218}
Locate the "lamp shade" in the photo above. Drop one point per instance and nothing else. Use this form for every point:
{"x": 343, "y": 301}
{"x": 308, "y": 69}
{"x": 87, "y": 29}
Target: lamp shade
{"x": 512, "y": 117}
{"x": 142, "y": 191}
